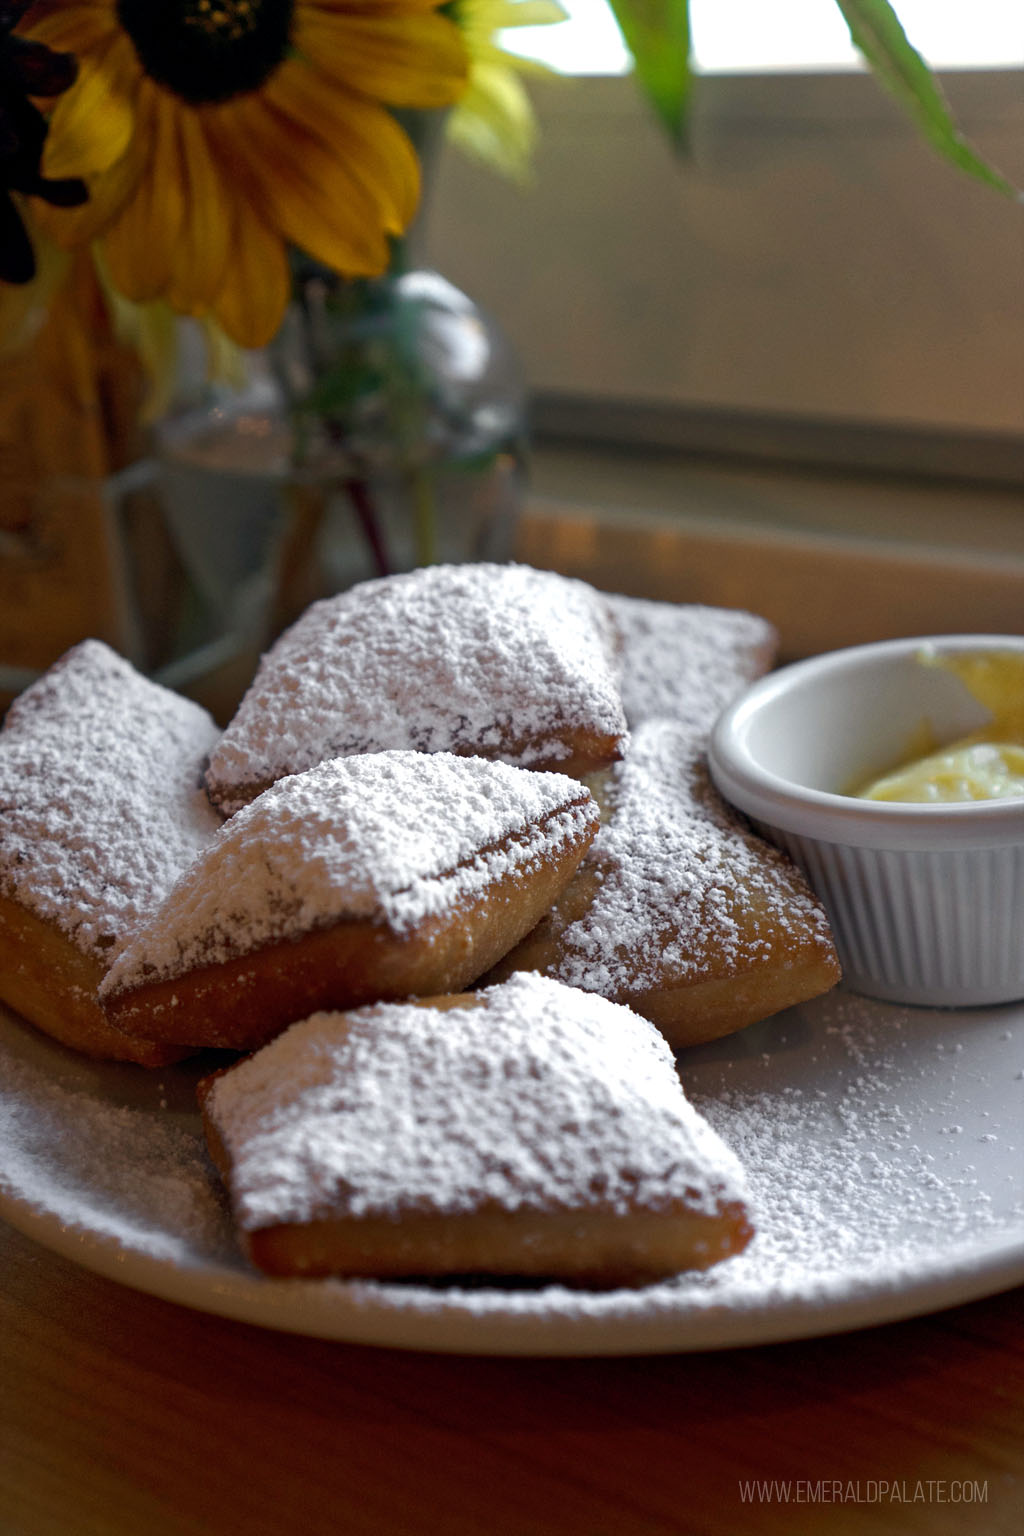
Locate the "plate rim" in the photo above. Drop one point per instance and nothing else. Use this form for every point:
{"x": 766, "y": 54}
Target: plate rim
{"x": 359, "y": 1316}
{"x": 982, "y": 1261}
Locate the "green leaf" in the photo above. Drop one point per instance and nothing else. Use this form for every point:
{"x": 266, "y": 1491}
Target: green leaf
{"x": 877, "y": 32}
{"x": 657, "y": 34}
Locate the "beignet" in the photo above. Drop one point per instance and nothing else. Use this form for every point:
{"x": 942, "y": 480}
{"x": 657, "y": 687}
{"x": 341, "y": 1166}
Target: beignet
{"x": 370, "y": 877}
{"x": 101, "y": 808}
{"x": 528, "y": 1130}
{"x": 493, "y": 661}
{"x": 679, "y": 909}
{"x": 686, "y": 661}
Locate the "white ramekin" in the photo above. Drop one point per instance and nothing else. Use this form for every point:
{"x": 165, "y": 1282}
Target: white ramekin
{"x": 926, "y": 901}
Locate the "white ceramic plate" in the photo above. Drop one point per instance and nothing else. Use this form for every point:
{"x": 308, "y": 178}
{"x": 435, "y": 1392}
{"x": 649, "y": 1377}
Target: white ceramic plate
{"x": 885, "y": 1147}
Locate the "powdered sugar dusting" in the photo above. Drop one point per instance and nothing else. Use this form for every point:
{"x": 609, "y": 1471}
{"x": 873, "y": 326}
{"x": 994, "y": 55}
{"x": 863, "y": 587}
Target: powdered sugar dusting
{"x": 101, "y": 804}
{"x": 680, "y": 874}
{"x": 128, "y": 1173}
{"x": 502, "y": 661}
{"x": 687, "y": 661}
{"x": 540, "y": 1099}
{"x": 396, "y": 836}
{"x": 882, "y": 1183}
{"x": 836, "y": 1111}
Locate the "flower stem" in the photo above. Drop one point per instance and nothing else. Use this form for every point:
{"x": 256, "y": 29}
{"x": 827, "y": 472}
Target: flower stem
{"x": 366, "y": 512}
{"x": 424, "y": 511}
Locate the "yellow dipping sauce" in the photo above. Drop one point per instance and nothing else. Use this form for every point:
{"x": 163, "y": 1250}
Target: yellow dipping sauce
{"x": 988, "y": 764}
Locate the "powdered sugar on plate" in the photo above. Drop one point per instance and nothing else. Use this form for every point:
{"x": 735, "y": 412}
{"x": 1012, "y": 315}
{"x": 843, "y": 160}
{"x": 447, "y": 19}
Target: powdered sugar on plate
{"x": 113, "y": 1154}
{"x": 868, "y": 1206}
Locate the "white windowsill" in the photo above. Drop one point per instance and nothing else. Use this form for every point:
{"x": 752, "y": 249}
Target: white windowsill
{"x": 929, "y": 515}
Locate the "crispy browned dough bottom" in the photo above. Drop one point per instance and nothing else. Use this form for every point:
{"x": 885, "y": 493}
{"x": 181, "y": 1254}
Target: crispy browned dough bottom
{"x": 242, "y": 1003}
{"x": 583, "y": 1248}
{"x": 52, "y": 983}
{"x": 707, "y": 1010}
{"x": 689, "y": 1010}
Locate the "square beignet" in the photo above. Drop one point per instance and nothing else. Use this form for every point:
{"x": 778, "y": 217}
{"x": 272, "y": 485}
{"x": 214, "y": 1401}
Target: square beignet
{"x": 493, "y": 661}
{"x": 679, "y": 909}
{"x": 371, "y": 877}
{"x": 101, "y": 808}
{"x": 527, "y": 1130}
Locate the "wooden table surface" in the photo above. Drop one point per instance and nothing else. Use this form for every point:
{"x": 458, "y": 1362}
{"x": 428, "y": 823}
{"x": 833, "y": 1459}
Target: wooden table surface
{"x": 124, "y": 1415}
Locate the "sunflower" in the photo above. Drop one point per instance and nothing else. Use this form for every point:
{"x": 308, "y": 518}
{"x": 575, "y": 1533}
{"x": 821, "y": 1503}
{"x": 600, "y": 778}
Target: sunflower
{"x": 214, "y": 134}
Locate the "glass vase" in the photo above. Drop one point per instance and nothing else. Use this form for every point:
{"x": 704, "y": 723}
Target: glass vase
{"x": 384, "y": 429}
{"x": 407, "y": 414}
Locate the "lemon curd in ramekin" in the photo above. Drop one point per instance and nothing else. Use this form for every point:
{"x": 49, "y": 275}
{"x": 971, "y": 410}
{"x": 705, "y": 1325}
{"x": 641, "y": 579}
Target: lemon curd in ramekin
{"x": 988, "y": 764}
{"x": 925, "y": 897}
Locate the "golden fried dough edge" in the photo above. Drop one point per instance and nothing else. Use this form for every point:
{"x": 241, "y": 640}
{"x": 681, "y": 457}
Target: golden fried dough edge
{"x": 51, "y": 983}
{"x": 596, "y": 1248}
{"x": 244, "y": 1002}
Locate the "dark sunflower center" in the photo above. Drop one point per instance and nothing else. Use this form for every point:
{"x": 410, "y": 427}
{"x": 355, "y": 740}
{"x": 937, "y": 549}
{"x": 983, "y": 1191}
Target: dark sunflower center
{"x": 208, "y": 50}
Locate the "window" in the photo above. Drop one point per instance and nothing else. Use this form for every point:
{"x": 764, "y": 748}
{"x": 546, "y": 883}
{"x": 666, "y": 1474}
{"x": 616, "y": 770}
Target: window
{"x": 752, "y": 35}
{"x": 811, "y": 273}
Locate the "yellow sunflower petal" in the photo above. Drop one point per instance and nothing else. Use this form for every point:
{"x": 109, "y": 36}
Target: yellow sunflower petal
{"x": 373, "y": 7}
{"x": 251, "y": 303}
{"x": 108, "y": 194}
{"x": 409, "y": 61}
{"x": 304, "y": 187}
{"x": 487, "y": 17}
{"x": 377, "y": 153}
{"x": 201, "y": 255}
{"x": 139, "y": 245}
{"x": 494, "y": 122}
{"x": 322, "y": 210}
{"x": 92, "y": 123}
{"x": 530, "y": 13}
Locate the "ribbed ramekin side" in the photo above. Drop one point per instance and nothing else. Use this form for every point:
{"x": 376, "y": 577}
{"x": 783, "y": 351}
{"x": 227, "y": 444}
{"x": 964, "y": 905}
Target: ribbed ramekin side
{"x": 934, "y": 928}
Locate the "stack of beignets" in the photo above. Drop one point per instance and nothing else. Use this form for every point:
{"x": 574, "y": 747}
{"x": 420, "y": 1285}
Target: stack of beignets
{"x": 462, "y": 777}
{"x": 677, "y": 908}
{"x": 101, "y": 808}
{"x": 526, "y": 1130}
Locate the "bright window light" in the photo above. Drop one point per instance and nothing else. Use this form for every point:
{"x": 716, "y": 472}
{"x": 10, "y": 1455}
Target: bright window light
{"x": 736, "y": 36}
